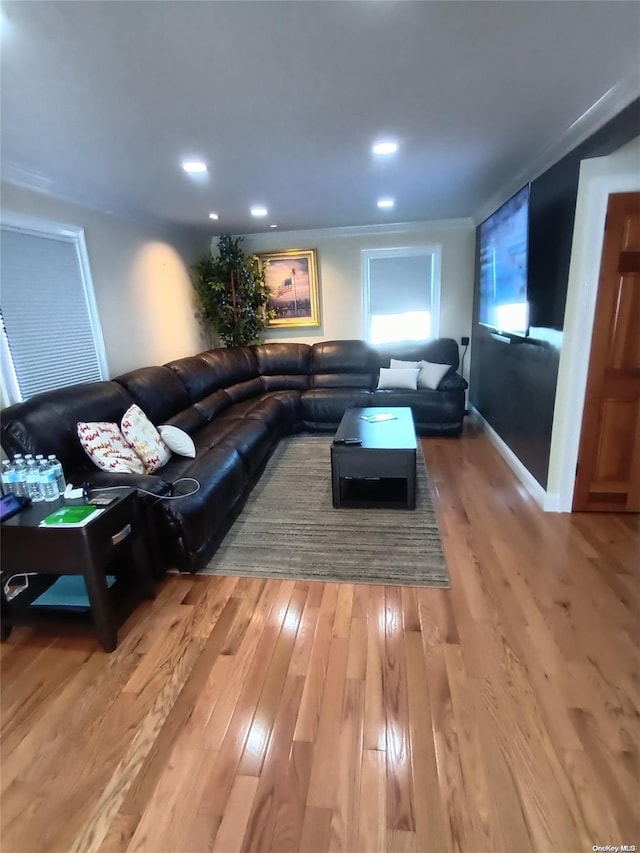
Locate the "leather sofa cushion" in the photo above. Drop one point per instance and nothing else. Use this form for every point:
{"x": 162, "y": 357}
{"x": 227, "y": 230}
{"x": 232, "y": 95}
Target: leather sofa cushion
{"x": 275, "y": 359}
{"x": 245, "y": 390}
{"x": 342, "y": 357}
{"x": 223, "y": 480}
{"x": 190, "y": 420}
{"x": 344, "y": 380}
{"x": 328, "y": 405}
{"x": 264, "y": 407}
{"x": 196, "y": 375}
{"x": 253, "y": 440}
{"x": 158, "y": 392}
{"x": 291, "y": 409}
{"x": 427, "y": 406}
{"x": 213, "y": 405}
{"x": 47, "y": 423}
{"x": 285, "y": 382}
{"x": 230, "y": 365}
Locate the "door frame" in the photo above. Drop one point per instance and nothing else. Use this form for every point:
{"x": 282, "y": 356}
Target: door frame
{"x": 578, "y": 333}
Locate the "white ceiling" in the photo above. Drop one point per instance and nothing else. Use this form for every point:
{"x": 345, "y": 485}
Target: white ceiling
{"x": 101, "y": 101}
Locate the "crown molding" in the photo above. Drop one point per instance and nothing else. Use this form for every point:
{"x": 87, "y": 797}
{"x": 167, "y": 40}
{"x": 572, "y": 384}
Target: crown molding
{"x": 363, "y": 230}
{"x": 599, "y": 113}
{"x": 37, "y": 183}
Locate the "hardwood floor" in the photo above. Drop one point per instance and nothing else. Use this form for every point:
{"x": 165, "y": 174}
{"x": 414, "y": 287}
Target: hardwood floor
{"x": 500, "y": 715}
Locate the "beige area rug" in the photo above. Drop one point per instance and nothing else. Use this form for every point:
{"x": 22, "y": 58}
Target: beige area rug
{"x": 289, "y": 528}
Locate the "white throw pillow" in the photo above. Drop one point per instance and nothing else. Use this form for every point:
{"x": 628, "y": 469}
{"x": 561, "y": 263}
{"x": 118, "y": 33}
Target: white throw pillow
{"x": 431, "y": 374}
{"x": 405, "y": 379}
{"x": 177, "y": 440}
{"x": 396, "y": 364}
{"x": 145, "y": 439}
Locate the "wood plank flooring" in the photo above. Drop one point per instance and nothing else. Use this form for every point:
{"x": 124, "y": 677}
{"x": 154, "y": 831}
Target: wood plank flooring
{"x": 256, "y": 715}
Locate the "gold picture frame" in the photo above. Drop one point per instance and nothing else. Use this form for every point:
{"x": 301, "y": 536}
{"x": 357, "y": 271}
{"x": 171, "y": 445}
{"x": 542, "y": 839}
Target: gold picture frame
{"x": 292, "y": 279}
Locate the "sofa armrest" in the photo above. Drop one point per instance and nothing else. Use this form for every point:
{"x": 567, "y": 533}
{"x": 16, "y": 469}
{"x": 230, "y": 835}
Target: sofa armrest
{"x": 148, "y": 482}
{"x": 453, "y": 382}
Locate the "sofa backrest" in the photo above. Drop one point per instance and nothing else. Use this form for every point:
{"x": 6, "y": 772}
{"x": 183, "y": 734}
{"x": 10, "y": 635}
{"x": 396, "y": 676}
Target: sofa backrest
{"x": 202, "y": 384}
{"x": 343, "y": 364}
{"x": 236, "y": 371}
{"x": 157, "y": 390}
{"x": 47, "y": 423}
{"x": 439, "y": 351}
{"x": 283, "y": 366}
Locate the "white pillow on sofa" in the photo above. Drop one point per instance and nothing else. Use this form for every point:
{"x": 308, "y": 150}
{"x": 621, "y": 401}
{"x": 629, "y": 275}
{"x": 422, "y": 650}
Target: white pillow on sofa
{"x": 177, "y": 440}
{"x": 405, "y": 379}
{"x": 396, "y": 364}
{"x": 431, "y": 374}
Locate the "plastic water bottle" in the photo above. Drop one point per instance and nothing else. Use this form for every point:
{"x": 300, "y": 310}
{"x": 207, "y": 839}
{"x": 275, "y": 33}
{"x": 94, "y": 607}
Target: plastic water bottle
{"x": 48, "y": 482}
{"x": 60, "y": 480}
{"x": 20, "y": 467}
{"x": 33, "y": 481}
{"x": 9, "y": 477}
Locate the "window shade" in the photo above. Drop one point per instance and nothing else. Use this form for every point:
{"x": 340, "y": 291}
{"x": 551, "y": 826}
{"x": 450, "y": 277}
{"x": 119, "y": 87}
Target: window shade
{"x": 399, "y": 284}
{"x": 46, "y": 315}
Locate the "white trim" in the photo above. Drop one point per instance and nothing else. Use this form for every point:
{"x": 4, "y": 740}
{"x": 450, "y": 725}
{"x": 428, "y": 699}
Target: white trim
{"x": 577, "y": 342}
{"x": 362, "y": 230}
{"x": 619, "y": 96}
{"x": 37, "y": 183}
{"x": 546, "y": 501}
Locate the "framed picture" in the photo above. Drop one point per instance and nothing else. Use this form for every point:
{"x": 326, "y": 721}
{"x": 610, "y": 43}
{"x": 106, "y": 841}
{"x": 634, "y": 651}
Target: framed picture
{"x": 292, "y": 279}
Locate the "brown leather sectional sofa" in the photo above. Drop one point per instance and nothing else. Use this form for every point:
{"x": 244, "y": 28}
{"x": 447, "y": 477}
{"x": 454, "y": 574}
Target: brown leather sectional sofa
{"x": 236, "y": 404}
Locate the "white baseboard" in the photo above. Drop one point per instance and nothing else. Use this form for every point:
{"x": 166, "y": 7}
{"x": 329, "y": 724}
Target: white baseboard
{"x": 548, "y": 502}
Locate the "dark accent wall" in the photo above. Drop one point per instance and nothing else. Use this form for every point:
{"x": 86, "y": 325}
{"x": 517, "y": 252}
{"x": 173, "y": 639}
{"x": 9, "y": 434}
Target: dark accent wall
{"x": 513, "y": 385}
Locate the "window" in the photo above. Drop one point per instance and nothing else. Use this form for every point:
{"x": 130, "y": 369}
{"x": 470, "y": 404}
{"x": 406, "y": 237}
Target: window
{"x": 50, "y": 335}
{"x": 401, "y": 294}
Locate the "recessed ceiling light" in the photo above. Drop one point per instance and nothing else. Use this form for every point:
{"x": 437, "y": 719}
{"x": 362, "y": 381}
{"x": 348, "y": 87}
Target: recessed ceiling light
{"x": 259, "y": 211}
{"x": 194, "y": 167}
{"x": 385, "y": 203}
{"x": 385, "y": 147}
{"x": 273, "y": 226}
{"x": 213, "y": 215}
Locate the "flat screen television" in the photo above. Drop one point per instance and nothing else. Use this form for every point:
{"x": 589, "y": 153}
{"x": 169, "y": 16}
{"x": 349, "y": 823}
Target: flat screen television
{"x": 503, "y": 258}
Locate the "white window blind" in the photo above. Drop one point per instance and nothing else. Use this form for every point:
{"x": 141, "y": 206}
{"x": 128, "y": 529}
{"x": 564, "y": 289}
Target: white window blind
{"x": 402, "y": 294}
{"x": 51, "y": 333}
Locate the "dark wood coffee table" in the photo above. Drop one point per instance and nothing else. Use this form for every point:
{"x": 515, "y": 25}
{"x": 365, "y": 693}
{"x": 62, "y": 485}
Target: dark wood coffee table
{"x": 380, "y": 471}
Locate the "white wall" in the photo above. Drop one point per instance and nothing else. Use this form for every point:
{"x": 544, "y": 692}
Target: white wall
{"x": 146, "y": 301}
{"x": 600, "y": 176}
{"x": 340, "y": 274}
{"x": 141, "y": 280}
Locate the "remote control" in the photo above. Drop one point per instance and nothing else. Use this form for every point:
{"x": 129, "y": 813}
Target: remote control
{"x": 352, "y": 441}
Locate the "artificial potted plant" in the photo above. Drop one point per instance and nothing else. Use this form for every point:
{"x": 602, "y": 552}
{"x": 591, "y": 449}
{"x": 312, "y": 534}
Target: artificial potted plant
{"x": 232, "y": 293}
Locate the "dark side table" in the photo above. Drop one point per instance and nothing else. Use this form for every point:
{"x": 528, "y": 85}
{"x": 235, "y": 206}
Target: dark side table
{"x": 113, "y": 543}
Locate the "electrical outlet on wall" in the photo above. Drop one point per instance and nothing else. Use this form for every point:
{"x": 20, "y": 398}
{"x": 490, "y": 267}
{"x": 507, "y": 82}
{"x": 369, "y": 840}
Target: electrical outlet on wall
{"x": 464, "y": 341}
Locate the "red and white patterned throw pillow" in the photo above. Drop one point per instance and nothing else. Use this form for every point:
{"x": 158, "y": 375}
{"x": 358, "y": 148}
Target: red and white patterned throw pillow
{"x": 105, "y": 445}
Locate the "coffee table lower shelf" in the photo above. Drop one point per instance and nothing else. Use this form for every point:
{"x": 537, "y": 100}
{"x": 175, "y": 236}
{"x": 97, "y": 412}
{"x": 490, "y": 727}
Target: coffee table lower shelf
{"x": 372, "y": 492}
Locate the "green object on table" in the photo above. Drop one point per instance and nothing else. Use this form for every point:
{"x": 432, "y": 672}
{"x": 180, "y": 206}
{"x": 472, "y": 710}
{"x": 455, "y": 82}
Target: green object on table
{"x": 71, "y": 516}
